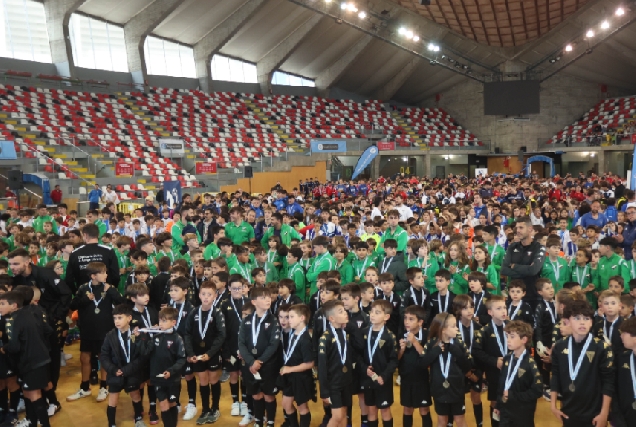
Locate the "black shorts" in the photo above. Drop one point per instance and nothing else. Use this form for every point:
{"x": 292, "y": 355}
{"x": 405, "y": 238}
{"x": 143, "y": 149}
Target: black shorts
{"x": 379, "y": 396}
{"x": 450, "y": 409}
{"x": 214, "y": 364}
{"x": 340, "y": 398}
{"x": 493, "y": 385}
{"x": 415, "y": 394}
{"x": 232, "y": 367}
{"x": 37, "y": 379}
{"x": 5, "y": 370}
{"x": 188, "y": 369}
{"x": 472, "y": 386}
{"x": 168, "y": 392}
{"x": 299, "y": 385}
{"x": 94, "y": 347}
{"x": 119, "y": 386}
{"x": 266, "y": 385}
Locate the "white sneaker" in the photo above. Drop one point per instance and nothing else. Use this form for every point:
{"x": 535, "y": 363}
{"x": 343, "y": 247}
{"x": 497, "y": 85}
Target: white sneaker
{"x": 67, "y": 356}
{"x": 80, "y": 393}
{"x": 190, "y": 412}
{"x": 21, "y": 407}
{"x": 102, "y": 395}
{"x": 247, "y": 420}
{"x": 53, "y": 409}
{"x": 178, "y": 408}
{"x": 140, "y": 423}
{"x": 244, "y": 410}
{"x": 236, "y": 409}
{"x": 23, "y": 423}
{"x": 398, "y": 381}
{"x": 62, "y": 361}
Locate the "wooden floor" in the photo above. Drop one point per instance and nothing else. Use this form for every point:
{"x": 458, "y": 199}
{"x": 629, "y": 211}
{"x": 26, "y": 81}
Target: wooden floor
{"x": 88, "y": 413}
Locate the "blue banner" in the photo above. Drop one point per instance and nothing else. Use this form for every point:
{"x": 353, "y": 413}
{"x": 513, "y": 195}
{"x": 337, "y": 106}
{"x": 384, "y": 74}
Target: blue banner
{"x": 633, "y": 182}
{"x": 7, "y": 150}
{"x": 365, "y": 160}
{"x": 321, "y": 146}
{"x": 172, "y": 193}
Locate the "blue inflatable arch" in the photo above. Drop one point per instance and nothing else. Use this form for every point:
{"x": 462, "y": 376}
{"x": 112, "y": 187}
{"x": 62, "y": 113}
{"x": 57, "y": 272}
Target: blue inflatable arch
{"x": 547, "y": 159}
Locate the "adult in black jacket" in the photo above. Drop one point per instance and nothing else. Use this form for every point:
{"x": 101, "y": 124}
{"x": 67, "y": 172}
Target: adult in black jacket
{"x": 56, "y": 295}
{"x": 524, "y": 260}
{"x": 91, "y": 251}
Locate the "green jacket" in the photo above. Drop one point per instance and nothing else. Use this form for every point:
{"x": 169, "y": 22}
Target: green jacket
{"x": 359, "y": 268}
{"x": 459, "y": 285}
{"x": 324, "y": 262}
{"x": 271, "y": 271}
{"x": 177, "y": 236}
{"x": 239, "y": 233}
{"x": 558, "y": 272}
{"x": 297, "y": 274}
{"x": 497, "y": 258}
{"x": 492, "y": 277}
{"x": 38, "y": 224}
{"x": 400, "y": 235}
{"x": 346, "y": 272}
{"x": 584, "y": 277}
{"x": 608, "y": 267}
{"x": 211, "y": 251}
{"x": 287, "y": 233}
{"x": 428, "y": 270}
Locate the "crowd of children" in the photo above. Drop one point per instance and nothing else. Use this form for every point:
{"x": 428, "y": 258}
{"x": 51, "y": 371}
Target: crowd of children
{"x": 324, "y": 301}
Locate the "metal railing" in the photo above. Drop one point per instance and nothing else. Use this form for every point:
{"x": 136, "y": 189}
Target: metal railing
{"x": 597, "y": 140}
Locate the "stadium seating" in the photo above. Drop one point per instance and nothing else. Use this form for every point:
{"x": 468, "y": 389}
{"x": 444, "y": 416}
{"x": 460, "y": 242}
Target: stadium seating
{"x": 216, "y": 126}
{"x": 610, "y": 114}
{"x": 303, "y": 118}
{"x": 436, "y": 128}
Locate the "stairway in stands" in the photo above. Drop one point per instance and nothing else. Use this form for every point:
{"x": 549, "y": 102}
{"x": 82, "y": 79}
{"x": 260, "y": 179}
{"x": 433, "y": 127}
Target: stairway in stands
{"x": 409, "y": 130}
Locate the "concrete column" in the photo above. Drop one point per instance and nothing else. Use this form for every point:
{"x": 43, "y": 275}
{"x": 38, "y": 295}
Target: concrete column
{"x": 602, "y": 167}
{"x": 213, "y": 41}
{"x": 275, "y": 57}
{"x": 58, "y": 15}
{"x": 138, "y": 28}
{"x": 328, "y": 77}
{"x": 392, "y": 86}
{"x": 427, "y": 166}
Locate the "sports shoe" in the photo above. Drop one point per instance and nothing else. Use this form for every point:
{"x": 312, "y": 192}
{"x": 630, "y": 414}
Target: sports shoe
{"x": 546, "y": 394}
{"x": 247, "y": 420}
{"x": 202, "y": 419}
{"x": 102, "y": 395}
{"x": 154, "y": 418}
{"x": 190, "y": 412}
{"x": 236, "y": 409}
{"x": 67, "y": 356}
{"x": 80, "y": 393}
{"x": 225, "y": 376}
{"x": 62, "y": 361}
{"x": 10, "y": 419}
{"x": 398, "y": 380}
{"x": 213, "y": 416}
{"x": 53, "y": 409}
{"x": 21, "y": 407}
{"x": 23, "y": 423}
{"x": 178, "y": 408}
{"x": 140, "y": 423}
{"x": 244, "y": 410}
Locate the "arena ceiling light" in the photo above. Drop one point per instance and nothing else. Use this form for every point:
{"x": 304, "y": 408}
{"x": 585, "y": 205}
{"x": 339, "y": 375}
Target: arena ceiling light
{"x": 416, "y": 38}
{"x": 589, "y": 34}
{"x": 605, "y": 25}
{"x": 434, "y": 48}
{"x": 362, "y": 15}
{"x": 620, "y": 11}
{"x": 568, "y": 48}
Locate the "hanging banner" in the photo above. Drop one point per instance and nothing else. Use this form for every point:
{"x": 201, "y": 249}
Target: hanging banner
{"x": 336, "y": 146}
{"x": 386, "y": 145}
{"x": 205, "y": 168}
{"x": 172, "y": 193}
{"x": 171, "y": 147}
{"x": 7, "y": 150}
{"x": 365, "y": 160}
{"x": 124, "y": 169}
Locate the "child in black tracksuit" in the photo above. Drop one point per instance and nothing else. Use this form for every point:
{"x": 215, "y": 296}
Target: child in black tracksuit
{"x": 335, "y": 360}
{"x": 546, "y": 316}
{"x": 123, "y": 357}
{"x": 144, "y": 316}
{"x": 378, "y": 362}
{"x": 27, "y": 350}
{"x": 490, "y": 347}
{"x": 520, "y": 381}
{"x": 416, "y": 294}
{"x": 296, "y": 380}
{"x": 449, "y": 362}
{"x": 477, "y": 283}
{"x": 415, "y": 390}
{"x": 387, "y": 284}
{"x": 259, "y": 340}
{"x": 167, "y": 361}
{"x": 231, "y": 309}
{"x": 94, "y": 302}
{"x": 204, "y": 336}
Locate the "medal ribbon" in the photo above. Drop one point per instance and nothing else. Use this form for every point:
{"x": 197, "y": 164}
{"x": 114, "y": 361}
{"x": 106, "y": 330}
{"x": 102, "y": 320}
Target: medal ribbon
{"x": 375, "y": 345}
{"x": 504, "y": 347}
{"x": 510, "y": 377}
{"x": 445, "y": 368}
{"x": 256, "y": 330}
{"x": 343, "y": 354}
{"x": 292, "y": 347}
{"x": 123, "y": 346}
{"x": 202, "y": 330}
{"x": 575, "y": 371}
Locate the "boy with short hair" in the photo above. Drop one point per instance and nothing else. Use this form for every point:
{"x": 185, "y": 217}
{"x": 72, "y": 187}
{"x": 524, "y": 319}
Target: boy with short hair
{"x": 204, "y": 336}
{"x": 477, "y": 283}
{"x": 518, "y": 309}
{"x": 442, "y": 300}
{"x": 546, "y": 318}
{"x": 271, "y": 272}
{"x": 123, "y": 357}
{"x": 416, "y": 294}
{"x": 490, "y": 347}
{"x": 520, "y": 384}
{"x": 555, "y": 268}
{"x": 167, "y": 361}
{"x": 379, "y": 363}
{"x": 367, "y": 296}
{"x": 335, "y": 360}
{"x": 627, "y": 306}
{"x": 585, "y": 389}
{"x": 414, "y": 385}
{"x": 286, "y": 288}
{"x": 387, "y": 285}
{"x": 394, "y": 264}
{"x": 361, "y": 262}
{"x": 606, "y": 327}
{"x": 94, "y": 302}
{"x": 259, "y": 340}
{"x": 296, "y": 273}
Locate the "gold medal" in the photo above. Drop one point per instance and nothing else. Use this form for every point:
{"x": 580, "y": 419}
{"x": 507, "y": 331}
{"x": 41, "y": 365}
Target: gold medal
{"x": 254, "y": 351}
{"x": 446, "y": 384}
{"x": 572, "y": 388}
{"x": 344, "y": 369}
{"x": 202, "y": 344}
{"x": 96, "y": 310}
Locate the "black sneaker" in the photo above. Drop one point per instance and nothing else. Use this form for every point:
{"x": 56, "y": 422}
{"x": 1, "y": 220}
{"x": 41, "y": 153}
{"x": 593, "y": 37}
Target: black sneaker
{"x": 202, "y": 419}
{"x": 154, "y": 418}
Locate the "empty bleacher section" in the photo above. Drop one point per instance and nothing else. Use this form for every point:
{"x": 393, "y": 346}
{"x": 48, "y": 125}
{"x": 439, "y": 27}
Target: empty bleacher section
{"x": 610, "y": 120}
{"x": 435, "y": 128}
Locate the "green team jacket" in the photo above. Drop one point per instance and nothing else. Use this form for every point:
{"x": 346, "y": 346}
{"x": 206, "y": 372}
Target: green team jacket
{"x": 428, "y": 270}
{"x": 400, "y": 235}
{"x": 324, "y": 262}
{"x": 287, "y": 233}
{"x": 608, "y": 267}
{"x": 558, "y": 272}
